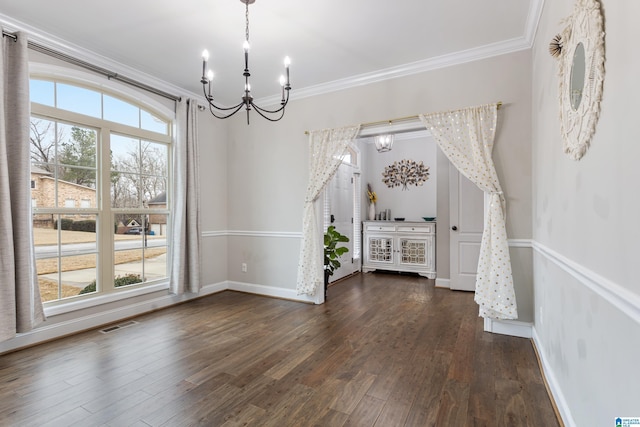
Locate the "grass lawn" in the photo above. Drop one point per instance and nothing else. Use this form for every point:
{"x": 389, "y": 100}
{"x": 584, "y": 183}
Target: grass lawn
{"x": 42, "y": 237}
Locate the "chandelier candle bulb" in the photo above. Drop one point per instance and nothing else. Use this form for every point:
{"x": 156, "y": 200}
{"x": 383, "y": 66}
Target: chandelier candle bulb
{"x": 245, "y": 47}
{"x": 287, "y": 62}
{"x": 205, "y": 58}
{"x": 282, "y": 85}
{"x": 210, "y": 78}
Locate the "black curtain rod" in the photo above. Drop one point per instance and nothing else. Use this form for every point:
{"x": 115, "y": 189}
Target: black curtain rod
{"x": 109, "y": 74}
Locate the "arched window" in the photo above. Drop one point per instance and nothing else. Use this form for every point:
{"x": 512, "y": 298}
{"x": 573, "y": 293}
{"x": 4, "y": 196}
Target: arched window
{"x": 101, "y": 159}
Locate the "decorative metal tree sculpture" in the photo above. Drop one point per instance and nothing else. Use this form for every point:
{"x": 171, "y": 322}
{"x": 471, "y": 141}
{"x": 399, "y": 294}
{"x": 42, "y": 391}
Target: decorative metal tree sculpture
{"x": 405, "y": 172}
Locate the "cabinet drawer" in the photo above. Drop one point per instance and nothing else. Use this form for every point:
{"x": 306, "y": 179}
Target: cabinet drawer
{"x": 416, "y": 228}
{"x": 381, "y": 228}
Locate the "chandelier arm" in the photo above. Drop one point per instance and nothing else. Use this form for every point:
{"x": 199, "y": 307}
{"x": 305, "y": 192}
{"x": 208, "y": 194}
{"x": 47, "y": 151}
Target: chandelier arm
{"x": 260, "y": 111}
{"x": 237, "y": 108}
{"x": 264, "y": 110}
{"x": 282, "y": 105}
{"x": 212, "y": 104}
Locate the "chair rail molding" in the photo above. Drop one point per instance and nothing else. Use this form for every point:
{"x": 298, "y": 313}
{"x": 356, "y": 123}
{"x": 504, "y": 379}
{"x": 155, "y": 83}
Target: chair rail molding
{"x": 620, "y": 297}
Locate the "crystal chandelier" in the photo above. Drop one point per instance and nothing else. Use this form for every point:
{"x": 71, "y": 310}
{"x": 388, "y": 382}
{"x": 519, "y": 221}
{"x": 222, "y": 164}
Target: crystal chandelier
{"x": 383, "y": 142}
{"x": 222, "y": 112}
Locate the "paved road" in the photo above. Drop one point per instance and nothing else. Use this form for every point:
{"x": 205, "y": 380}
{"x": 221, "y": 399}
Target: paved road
{"x": 51, "y": 251}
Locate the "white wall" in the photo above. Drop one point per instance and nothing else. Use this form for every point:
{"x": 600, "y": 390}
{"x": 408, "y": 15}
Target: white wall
{"x": 415, "y": 202}
{"x": 587, "y": 292}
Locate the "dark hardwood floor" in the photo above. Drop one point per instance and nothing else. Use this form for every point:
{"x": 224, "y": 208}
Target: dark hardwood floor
{"x": 385, "y": 350}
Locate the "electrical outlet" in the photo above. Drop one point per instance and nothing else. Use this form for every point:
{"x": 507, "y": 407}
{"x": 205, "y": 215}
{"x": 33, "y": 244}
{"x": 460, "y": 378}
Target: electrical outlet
{"x": 244, "y": 267}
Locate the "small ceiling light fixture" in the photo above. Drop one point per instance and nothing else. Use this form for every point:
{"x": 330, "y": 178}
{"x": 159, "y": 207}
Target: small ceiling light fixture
{"x": 247, "y": 100}
{"x": 383, "y": 142}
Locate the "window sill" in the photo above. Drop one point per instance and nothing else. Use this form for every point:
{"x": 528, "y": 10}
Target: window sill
{"x": 71, "y": 306}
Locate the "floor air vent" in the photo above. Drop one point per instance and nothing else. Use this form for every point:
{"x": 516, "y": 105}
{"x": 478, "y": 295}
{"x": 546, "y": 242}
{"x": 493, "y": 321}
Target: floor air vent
{"x": 118, "y": 327}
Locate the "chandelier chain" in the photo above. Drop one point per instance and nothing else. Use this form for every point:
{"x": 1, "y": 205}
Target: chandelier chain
{"x": 246, "y": 15}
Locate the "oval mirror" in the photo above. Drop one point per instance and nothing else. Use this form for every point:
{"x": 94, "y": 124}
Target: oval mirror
{"x": 577, "y": 76}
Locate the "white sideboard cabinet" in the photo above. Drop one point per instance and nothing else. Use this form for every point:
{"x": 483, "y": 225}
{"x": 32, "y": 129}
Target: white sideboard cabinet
{"x": 400, "y": 246}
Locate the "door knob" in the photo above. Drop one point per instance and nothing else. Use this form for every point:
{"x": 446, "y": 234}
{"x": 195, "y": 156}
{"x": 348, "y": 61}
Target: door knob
{"x": 333, "y": 219}
{"x": 454, "y": 228}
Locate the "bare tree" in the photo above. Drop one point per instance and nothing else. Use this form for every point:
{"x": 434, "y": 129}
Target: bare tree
{"x": 44, "y": 138}
{"x": 143, "y": 176}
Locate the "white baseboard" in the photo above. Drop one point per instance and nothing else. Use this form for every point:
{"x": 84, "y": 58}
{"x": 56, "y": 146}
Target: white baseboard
{"x": 552, "y": 382}
{"x": 443, "y": 283}
{"x": 514, "y": 328}
{"x": 269, "y": 291}
{"x": 96, "y": 320}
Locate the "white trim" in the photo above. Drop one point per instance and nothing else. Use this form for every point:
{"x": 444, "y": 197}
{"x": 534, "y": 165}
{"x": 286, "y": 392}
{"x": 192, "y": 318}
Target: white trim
{"x": 220, "y": 233}
{"x": 513, "y": 328}
{"x": 70, "y": 305}
{"x": 443, "y": 283}
{"x": 533, "y": 20}
{"x": 620, "y": 297}
{"x": 552, "y": 382}
{"x": 63, "y": 46}
{"x": 79, "y": 324}
{"x": 243, "y": 233}
{"x": 91, "y": 321}
{"x": 520, "y": 243}
{"x": 270, "y": 291}
{"x": 131, "y": 95}
{"x": 456, "y": 58}
{"x": 448, "y": 60}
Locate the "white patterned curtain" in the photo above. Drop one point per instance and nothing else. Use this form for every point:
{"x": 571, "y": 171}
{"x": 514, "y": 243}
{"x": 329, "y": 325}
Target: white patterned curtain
{"x": 20, "y": 304}
{"x": 326, "y": 150}
{"x": 466, "y": 137}
{"x": 185, "y": 258}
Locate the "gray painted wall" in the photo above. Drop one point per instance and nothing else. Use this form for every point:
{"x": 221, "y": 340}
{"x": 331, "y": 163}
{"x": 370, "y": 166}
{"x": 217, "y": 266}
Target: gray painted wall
{"x": 587, "y": 292}
{"x": 268, "y": 162}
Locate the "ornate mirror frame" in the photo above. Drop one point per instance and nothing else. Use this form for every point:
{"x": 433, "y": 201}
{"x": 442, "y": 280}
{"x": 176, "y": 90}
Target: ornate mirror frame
{"x": 579, "y": 110}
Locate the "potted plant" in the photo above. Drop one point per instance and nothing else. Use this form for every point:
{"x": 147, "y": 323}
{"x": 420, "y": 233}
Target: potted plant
{"x": 332, "y": 251}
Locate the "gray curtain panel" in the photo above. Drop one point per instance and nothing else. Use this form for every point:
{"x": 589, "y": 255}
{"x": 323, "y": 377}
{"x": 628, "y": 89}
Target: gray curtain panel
{"x": 185, "y": 254}
{"x": 20, "y": 304}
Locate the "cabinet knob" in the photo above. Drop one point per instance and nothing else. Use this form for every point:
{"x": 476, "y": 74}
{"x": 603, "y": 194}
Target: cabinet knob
{"x": 454, "y": 228}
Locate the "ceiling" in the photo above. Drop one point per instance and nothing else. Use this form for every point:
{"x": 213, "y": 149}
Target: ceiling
{"x": 333, "y": 44}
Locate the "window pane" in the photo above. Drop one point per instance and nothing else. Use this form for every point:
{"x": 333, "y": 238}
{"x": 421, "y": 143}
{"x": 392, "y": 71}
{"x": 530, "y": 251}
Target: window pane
{"x": 77, "y": 147}
{"x": 143, "y": 264}
{"x": 65, "y": 259}
{"x": 129, "y": 262}
{"x": 120, "y": 111}
{"x": 125, "y": 190}
{"x": 125, "y": 154}
{"x": 43, "y": 139}
{"x": 150, "y": 122}
{"x": 157, "y": 228}
{"x": 42, "y": 92}
{"x": 79, "y": 100}
{"x": 78, "y": 273}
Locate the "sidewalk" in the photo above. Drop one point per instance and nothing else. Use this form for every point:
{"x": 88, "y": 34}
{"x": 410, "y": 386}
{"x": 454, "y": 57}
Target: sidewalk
{"x": 154, "y": 268}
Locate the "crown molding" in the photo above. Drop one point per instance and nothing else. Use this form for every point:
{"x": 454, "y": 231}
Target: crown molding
{"x": 430, "y": 64}
{"x": 483, "y": 52}
{"x": 444, "y": 61}
{"x": 63, "y": 46}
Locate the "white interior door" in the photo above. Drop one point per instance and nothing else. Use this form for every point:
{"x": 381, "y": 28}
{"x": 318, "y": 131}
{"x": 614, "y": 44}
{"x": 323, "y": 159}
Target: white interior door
{"x": 340, "y": 214}
{"x": 466, "y": 210}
